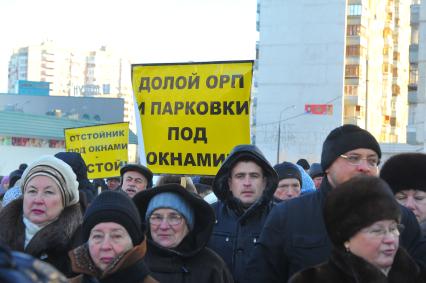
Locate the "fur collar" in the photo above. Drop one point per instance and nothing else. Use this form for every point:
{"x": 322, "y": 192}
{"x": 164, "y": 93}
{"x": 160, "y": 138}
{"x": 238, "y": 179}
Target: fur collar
{"x": 54, "y": 237}
{"x": 403, "y": 269}
{"x": 347, "y": 267}
{"x": 82, "y": 262}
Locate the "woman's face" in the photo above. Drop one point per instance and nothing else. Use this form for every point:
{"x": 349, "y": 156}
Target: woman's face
{"x": 108, "y": 240}
{"x": 415, "y": 200}
{"x": 377, "y": 243}
{"x": 42, "y": 200}
{"x": 168, "y": 227}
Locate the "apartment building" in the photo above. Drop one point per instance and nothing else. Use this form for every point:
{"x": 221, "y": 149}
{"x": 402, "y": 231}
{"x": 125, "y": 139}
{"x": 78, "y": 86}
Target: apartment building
{"x": 73, "y": 72}
{"x": 325, "y": 63}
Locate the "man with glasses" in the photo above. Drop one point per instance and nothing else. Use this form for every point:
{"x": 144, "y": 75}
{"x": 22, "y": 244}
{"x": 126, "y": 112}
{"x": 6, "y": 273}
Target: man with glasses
{"x": 294, "y": 235}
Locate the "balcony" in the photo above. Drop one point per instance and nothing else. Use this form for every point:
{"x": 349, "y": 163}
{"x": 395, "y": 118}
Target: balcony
{"x": 412, "y": 97}
{"x": 354, "y": 100}
{"x": 414, "y": 53}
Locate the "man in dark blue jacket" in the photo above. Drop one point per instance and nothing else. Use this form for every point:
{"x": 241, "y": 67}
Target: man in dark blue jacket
{"x": 294, "y": 236}
{"x": 244, "y": 186}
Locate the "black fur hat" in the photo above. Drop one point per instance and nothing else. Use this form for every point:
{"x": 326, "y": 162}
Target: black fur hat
{"x": 405, "y": 171}
{"x": 357, "y": 204}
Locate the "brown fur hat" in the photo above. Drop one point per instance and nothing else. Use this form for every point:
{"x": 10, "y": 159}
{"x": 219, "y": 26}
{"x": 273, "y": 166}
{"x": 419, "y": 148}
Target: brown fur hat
{"x": 405, "y": 171}
{"x": 357, "y": 204}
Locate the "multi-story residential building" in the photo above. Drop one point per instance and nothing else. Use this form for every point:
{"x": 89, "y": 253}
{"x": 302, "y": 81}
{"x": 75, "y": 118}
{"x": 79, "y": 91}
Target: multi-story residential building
{"x": 98, "y": 73}
{"x": 413, "y": 115}
{"x": 325, "y": 63}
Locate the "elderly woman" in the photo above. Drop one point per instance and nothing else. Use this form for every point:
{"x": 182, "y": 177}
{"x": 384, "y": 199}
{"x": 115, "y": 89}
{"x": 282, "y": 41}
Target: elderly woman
{"x": 44, "y": 220}
{"x": 114, "y": 242}
{"x": 362, "y": 219}
{"x": 179, "y": 226}
{"x": 405, "y": 174}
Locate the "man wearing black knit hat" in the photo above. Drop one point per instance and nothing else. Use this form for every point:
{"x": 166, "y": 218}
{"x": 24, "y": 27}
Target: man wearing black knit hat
{"x": 294, "y": 236}
{"x": 289, "y": 181}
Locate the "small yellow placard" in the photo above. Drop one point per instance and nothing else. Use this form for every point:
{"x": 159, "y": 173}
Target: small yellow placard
{"x": 104, "y": 148}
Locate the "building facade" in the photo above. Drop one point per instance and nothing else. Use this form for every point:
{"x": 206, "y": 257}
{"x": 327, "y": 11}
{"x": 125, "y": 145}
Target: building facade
{"x": 78, "y": 73}
{"x": 328, "y": 62}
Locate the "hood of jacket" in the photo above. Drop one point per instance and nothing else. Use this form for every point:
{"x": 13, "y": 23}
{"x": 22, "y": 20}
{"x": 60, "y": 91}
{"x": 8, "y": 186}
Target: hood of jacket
{"x": 220, "y": 183}
{"x": 204, "y": 220}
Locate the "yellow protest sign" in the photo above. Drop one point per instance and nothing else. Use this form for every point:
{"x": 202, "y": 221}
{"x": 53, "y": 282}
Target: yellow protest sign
{"x": 103, "y": 147}
{"x": 192, "y": 114}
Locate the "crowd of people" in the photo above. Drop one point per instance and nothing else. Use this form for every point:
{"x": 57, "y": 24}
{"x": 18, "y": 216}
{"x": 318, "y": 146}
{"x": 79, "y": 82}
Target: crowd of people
{"x": 343, "y": 219}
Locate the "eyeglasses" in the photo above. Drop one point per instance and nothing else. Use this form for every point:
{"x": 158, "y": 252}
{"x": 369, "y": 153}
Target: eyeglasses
{"x": 380, "y": 232}
{"x": 357, "y": 159}
{"x": 173, "y": 220}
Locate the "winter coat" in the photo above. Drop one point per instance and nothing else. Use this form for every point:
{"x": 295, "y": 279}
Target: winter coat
{"x": 349, "y": 268}
{"x": 52, "y": 243}
{"x": 295, "y": 237}
{"x": 76, "y": 161}
{"x": 190, "y": 261}
{"x": 236, "y": 230}
{"x": 129, "y": 268}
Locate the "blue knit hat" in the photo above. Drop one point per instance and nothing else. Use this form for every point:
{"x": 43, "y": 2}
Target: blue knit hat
{"x": 173, "y": 201}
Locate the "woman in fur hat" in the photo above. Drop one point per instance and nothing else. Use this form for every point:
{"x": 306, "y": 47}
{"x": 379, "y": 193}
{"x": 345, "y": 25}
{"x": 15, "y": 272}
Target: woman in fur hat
{"x": 362, "y": 219}
{"x": 179, "y": 226}
{"x": 405, "y": 174}
{"x": 43, "y": 222}
{"x": 114, "y": 245}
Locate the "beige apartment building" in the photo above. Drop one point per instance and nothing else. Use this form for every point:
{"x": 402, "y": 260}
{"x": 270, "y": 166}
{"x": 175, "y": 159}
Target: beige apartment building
{"x": 72, "y": 72}
{"x": 377, "y": 67}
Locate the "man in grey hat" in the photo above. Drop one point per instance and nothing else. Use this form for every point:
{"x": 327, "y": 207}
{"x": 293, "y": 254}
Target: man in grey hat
{"x": 294, "y": 236}
{"x": 135, "y": 178}
{"x": 113, "y": 183}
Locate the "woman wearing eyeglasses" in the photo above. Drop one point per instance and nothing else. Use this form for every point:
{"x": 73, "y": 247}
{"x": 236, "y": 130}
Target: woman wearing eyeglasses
{"x": 362, "y": 219}
{"x": 179, "y": 226}
{"x": 405, "y": 174}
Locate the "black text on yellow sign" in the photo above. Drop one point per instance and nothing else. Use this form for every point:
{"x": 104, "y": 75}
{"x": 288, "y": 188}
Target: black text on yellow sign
{"x": 192, "y": 114}
{"x": 104, "y": 148}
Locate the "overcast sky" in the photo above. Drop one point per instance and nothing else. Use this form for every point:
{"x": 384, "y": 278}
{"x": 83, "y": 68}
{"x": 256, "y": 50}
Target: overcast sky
{"x": 145, "y": 31}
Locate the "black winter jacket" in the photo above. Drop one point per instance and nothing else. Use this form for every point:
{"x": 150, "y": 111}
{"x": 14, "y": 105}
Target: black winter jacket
{"x": 191, "y": 261}
{"x": 294, "y": 238}
{"x": 236, "y": 230}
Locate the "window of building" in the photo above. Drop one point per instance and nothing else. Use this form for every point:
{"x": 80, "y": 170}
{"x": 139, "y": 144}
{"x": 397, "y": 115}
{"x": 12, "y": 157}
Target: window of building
{"x": 353, "y": 30}
{"x": 386, "y": 68}
{"x": 396, "y": 89}
{"x": 396, "y": 55}
{"x": 414, "y": 74}
{"x": 354, "y": 10}
{"x": 351, "y": 90}
{"x": 352, "y": 70}
{"x": 395, "y": 72}
{"x": 353, "y": 50}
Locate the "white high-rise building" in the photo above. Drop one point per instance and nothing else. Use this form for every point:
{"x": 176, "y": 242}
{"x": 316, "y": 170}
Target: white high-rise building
{"x": 324, "y": 63}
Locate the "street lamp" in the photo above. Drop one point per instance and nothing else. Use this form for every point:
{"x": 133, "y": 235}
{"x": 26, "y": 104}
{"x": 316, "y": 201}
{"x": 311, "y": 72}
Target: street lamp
{"x": 279, "y": 131}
